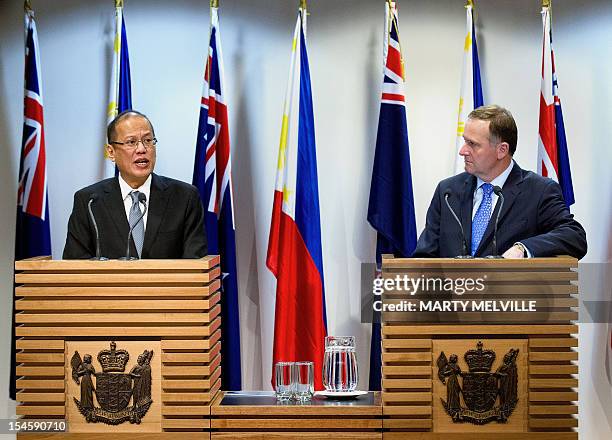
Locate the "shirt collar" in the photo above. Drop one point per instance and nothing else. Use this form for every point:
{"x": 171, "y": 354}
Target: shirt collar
{"x": 126, "y": 189}
{"x": 499, "y": 180}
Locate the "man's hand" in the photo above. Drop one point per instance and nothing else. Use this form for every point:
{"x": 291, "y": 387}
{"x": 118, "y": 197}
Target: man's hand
{"x": 515, "y": 251}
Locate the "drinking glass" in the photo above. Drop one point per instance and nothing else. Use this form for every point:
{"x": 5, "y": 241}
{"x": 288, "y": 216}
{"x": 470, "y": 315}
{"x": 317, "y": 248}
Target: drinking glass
{"x": 302, "y": 378}
{"x": 282, "y": 381}
{"x": 340, "y": 373}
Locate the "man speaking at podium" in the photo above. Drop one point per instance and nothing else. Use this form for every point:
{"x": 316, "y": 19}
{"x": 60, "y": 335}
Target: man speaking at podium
{"x": 464, "y": 217}
{"x": 163, "y": 217}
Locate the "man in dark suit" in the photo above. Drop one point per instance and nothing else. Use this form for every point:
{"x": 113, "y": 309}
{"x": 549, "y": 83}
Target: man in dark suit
{"x": 534, "y": 220}
{"x": 173, "y": 222}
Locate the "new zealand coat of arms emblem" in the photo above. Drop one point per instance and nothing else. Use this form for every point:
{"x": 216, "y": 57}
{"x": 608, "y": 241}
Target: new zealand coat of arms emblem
{"x": 482, "y": 389}
{"x": 113, "y": 388}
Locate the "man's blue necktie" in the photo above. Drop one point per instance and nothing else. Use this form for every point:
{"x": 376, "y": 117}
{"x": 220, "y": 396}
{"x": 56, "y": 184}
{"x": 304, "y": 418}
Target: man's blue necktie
{"x": 483, "y": 214}
{"x": 136, "y": 222}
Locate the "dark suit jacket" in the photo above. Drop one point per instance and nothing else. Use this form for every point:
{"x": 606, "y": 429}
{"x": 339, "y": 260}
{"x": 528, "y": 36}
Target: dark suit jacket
{"x": 534, "y": 213}
{"x": 175, "y": 222}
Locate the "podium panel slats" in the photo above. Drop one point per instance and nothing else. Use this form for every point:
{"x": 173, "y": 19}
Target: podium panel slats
{"x": 46, "y": 371}
{"x": 39, "y": 344}
{"x": 170, "y": 345}
{"x": 134, "y": 291}
{"x": 39, "y": 397}
{"x": 551, "y": 356}
{"x": 392, "y": 329}
{"x": 47, "y": 384}
{"x": 185, "y": 424}
{"x": 182, "y": 410}
{"x": 553, "y": 369}
{"x": 126, "y": 278}
{"x": 556, "y": 396}
{"x": 553, "y": 342}
{"x": 204, "y": 263}
{"x": 569, "y": 422}
{"x": 107, "y": 305}
{"x": 406, "y": 370}
{"x": 553, "y": 383}
{"x": 407, "y": 410}
{"x": 553, "y": 409}
{"x": 40, "y": 358}
{"x": 192, "y": 357}
{"x": 40, "y": 410}
{"x": 113, "y": 332}
{"x": 406, "y": 383}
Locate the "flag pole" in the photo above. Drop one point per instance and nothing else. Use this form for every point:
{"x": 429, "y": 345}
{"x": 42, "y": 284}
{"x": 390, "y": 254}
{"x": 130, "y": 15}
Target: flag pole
{"x": 303, "y": 4}
{"x": 546, "y": 3}
{"x": 214, "y": 3}
{"x": 469, "y": 3}
{"x": 27, "y": 6}
{"x": 118, "y": 3}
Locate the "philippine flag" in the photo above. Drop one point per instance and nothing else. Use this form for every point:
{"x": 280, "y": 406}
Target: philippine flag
{"x": 294, "y": 247}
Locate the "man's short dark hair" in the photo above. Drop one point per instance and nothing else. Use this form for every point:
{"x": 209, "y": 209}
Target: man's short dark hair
{"x": 110, "y": 130}
{"x": 502, "y": 127}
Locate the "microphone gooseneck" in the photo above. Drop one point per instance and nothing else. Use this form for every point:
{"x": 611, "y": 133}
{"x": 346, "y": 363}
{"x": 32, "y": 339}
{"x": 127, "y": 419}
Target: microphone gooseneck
{"x": 92, "y": 198}
{"x": 465, "y": 253}
{"x": 498, "y": 192}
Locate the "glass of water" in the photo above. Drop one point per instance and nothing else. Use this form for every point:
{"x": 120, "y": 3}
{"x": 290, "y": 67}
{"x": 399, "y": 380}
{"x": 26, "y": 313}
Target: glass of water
{"x": 303, "y": 380}
{"x": 340, "y": 373}
{"x": 282, "y": 381}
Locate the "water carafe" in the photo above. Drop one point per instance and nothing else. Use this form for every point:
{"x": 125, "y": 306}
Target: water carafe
{"x": 340, "y": 373}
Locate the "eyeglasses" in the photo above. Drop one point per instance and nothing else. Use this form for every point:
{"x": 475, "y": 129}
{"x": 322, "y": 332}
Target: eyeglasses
{"x": 133, "y": 143}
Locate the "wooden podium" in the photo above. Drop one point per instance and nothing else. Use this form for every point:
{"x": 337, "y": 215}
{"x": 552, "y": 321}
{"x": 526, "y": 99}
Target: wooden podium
{"x": 530, "y": 352}
{"x": 150, "y": 329}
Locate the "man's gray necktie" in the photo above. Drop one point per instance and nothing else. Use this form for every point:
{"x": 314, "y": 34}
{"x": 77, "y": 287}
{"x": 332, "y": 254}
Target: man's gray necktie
{"x": 135, "y": 214}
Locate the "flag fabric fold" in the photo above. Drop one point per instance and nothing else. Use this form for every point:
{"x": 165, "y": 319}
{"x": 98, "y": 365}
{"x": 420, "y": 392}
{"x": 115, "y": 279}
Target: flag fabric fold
{"x": 294, "y": 247}
{"x": 120, "y": 95}
{"x": 391, "y": 204}
{"x": 212, "y": 176}
{"x": 553, "y": 157}
{"x": 33, "y": 236}
{"x": 471, "y": 85}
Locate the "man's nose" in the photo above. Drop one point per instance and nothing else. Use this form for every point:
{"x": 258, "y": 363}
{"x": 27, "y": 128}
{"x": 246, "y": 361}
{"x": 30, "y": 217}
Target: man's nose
{"x": 140, "y": 146}
{"x": 464, "y": 150}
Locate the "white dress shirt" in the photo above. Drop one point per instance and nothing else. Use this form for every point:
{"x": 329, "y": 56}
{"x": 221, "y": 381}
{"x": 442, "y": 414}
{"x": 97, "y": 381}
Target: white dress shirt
{"x": 127, "y": 198}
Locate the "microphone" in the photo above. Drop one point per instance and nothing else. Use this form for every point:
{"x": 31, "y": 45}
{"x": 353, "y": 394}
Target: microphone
{"x": 498, "y": 192}
{"x": 141, "y": 199}
{"x": 92, "y": 198}
{"x": 465, "y": 254}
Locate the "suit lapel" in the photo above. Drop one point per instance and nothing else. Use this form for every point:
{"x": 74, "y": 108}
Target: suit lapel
{"x": 467, "y": 204}
{"x": 158, "y": 201}
{"x": 510, "y": 190}
{"x": 116, "y": 209}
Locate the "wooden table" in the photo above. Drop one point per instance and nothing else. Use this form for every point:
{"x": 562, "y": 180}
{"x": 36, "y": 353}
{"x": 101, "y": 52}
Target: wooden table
{"x": 257, "y": 415}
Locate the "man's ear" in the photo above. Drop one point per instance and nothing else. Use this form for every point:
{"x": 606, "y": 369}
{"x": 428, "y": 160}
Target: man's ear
{"x": 110, "y": 152}
{"x": 503, "y": 149}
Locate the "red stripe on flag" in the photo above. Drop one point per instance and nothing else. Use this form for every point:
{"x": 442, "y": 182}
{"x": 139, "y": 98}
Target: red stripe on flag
{"x": 548, "y": 132}
{"x": 393, "y": 97}
{"x": 299, "y": 330}
{"x": 394, "y": 61}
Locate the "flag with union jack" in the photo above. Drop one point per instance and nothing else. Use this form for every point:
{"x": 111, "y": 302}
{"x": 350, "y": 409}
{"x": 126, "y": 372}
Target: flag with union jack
{"x": 553, "y": 158}
{"x": 391, "y": 205}
{"x": 213, "y": 178}
{"x": 32, "y": 236}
